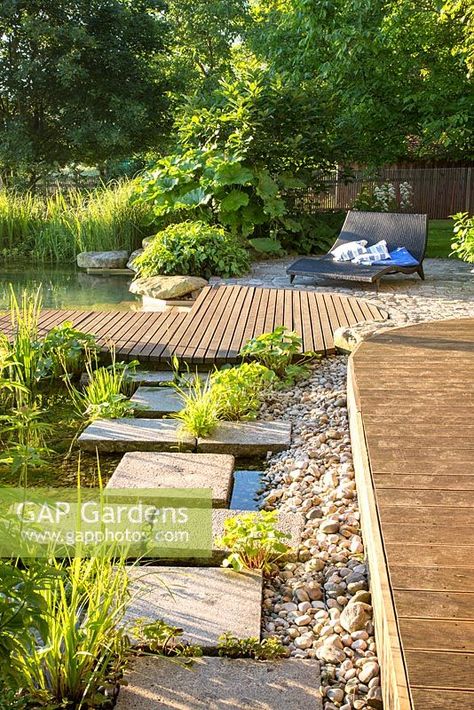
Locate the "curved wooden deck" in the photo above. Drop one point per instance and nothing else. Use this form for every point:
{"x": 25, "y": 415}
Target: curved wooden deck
{"x": 220, "y": 321}
{"x": 411, "y": 407}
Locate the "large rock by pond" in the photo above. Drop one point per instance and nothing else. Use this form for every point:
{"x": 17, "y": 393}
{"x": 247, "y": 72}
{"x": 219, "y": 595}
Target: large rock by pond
{"x": 102, "y": 259}
{"x": 133, "y": 256}
{"x": 166, "y": 287}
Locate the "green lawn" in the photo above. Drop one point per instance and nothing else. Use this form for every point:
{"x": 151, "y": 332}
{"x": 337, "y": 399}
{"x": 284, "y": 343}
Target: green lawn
{"x": 440, "y": 232}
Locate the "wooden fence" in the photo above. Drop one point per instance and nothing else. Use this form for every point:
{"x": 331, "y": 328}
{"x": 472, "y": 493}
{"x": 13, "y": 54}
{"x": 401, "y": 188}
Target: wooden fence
{"x": 437, "y": 191}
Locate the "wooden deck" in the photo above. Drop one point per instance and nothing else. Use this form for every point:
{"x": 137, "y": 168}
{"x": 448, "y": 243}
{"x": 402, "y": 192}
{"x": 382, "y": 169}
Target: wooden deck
{"x": 411, "y": 405}
{"x": 220, "y": 321}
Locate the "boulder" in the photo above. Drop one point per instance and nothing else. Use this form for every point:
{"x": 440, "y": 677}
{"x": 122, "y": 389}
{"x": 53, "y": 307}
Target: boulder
{"x": 167, "y": 287}
{"x": 147, "y": 241}
{"x": 133, "y": 256}
{"x": 355, "y": 616}
{"x": 102, "y": 259}
{"x": 347, "y": 338}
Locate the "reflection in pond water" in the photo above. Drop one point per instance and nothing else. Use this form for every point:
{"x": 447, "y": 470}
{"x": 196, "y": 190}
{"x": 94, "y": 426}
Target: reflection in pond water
{"x": 244, "y": 494}
{"x": 67, "y": 287}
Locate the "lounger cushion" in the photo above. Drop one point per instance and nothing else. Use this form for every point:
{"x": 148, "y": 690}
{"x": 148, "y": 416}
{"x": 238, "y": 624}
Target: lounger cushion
{"x": 347, "y": 252}
{"x": 399, "y": 257}
{"x": 375, "y": 253}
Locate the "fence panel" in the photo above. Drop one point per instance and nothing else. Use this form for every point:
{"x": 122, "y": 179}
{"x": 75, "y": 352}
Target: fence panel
{"x": 437, "y": 191}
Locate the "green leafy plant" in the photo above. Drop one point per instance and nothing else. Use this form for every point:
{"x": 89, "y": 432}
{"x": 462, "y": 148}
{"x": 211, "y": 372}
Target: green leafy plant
{"x": 269, "y": 649}
{"x": 193, "y": 248}
{"x": 65, "y": 347}
{"x": 463, "y": 240}
{"x": 201, "y": 412}
{"x": 159, "y": 637}
{"x": 275, "y": 350}
{"x": 240, "y": 389}
{"x": 105, "y": 395}
{"x": 254, "y": 541}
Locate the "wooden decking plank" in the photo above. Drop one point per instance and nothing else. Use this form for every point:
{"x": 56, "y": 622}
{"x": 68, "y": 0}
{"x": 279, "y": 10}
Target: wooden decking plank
{"x": 440, "y": 481}
{"x": 225, "y": 353}
{"x": 423, "y": 635}
{"x": 307, "y": 330}
{"x": 326, "y": 326}
{"x": 435, "y": 699}
{"x": 429, "y": 534}
{"x": 433, "y": 579}
{"x": 439, "y": 555}
{"x": 259, "y": 316}
{"x": 269, "y": 323}
{"x": 194, "y": 323}
{"x": 209, "y": 348}
{"x": 162, "y": 351}
{"x": 205, "y": 343}
{"x": 159, "y": 327}
{"x": 444, "y": 515}
{"x": 280, "y": 307}
{"x": 288, "y": 310}
{"x": 426, "y": 498}
{"x": 436, "y": 669}
{"x": 318, "y": 337}
{"x": 139, "y": 337}
{"x": 434, "y": 605}
{"x": 237, "y": 334}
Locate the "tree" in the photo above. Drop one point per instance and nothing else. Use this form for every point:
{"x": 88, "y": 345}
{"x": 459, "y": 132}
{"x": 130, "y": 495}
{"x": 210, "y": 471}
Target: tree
{"x": 394, "y": 72}
{"x": 80, "y": 80}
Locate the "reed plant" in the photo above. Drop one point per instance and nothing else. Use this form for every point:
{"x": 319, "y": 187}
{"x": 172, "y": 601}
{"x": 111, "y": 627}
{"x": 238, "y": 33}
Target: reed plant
{"x": 58, "y": 227}
{"x": 201, "y": 408}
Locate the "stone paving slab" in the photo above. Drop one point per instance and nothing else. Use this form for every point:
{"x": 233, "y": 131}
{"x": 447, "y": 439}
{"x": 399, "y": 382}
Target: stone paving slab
{"x": 145, "y": 469}
{"x": 157, "y": 378}
{"x": 204, "y": 602}
{"x": 247, "y": 438}
{"x": 121, "y": 435}
{"x": 155, "y": 402}
{"x": 213, "y": 683}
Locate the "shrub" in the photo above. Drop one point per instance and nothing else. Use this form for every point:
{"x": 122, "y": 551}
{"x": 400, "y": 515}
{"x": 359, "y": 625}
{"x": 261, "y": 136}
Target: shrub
{"x": 195, "y": 249}
{"x": 384, "y": 198}
{"x": 65, "y": 348}
{"x": 254, "y": 541}
{"x": 463, "y": 240}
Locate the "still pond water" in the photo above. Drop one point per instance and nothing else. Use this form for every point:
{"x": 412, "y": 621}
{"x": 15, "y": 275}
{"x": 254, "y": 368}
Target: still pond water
{"x": 67, "y": 287}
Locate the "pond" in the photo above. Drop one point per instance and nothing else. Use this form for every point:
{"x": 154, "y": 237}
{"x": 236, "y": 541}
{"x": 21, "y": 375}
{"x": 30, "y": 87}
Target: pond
{"x": 68, "y": 287}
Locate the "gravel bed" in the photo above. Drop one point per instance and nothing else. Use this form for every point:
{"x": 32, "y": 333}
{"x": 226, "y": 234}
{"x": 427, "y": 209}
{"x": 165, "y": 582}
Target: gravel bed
{"x": 319, "y": 606}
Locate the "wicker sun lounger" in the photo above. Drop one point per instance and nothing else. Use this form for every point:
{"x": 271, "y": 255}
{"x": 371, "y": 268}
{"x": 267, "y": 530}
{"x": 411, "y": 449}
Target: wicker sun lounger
{"x": 399, "y": 230}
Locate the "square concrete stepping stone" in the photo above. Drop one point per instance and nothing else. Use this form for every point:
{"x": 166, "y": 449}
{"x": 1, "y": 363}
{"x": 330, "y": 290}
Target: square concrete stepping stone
{"x": 204, "y": 602}
{"x": 121, "y": 435}
{"x": 213, "y": 683}
{"x": 248, "y": 438}
{"x": 158, "y": 378}
{"x": 155, "y": 402}
{"x": 143, "y": 469}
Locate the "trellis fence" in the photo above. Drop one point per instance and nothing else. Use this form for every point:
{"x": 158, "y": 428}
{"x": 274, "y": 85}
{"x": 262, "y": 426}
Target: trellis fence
{"x": 437, "y": 191}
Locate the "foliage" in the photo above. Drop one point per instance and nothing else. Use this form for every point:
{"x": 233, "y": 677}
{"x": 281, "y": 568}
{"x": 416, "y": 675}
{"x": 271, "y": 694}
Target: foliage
{"x": 318, "y": 231}
{"x": 275, "y": 350}
{"x": 105, "y": 395}
{"x": 239, "y": 389}
{"x": 65, "y": 348}
{"x": 201, "y": 411}
{"x": 384, "y": 198}
{"x": 75, "y": 652}
{"x": 60, "y": 226}
{"x": 269, "y": 649}
{"x": 192, "y": 248}
{"x": 160, "y": 637}
{"x": 392, "y": 75}
{"x": 254, "y": 541}
{"x": 95, "y": 85}
{"x": 463, "y": 241}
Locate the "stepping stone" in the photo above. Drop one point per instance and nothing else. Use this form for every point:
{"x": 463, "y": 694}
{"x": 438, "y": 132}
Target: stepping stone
{"x": 214, "y": 683}
{"x": 247, "y": 438}
{"x": 204, "y": 602}
{"x": 156, "y": 401}
{"x": 121, "y": 435}
{"x": 161, "y": 377}
{"x": 140, "y": 469}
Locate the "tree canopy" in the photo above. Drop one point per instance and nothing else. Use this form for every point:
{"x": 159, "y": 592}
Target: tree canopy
{"x": 80, "y": 80}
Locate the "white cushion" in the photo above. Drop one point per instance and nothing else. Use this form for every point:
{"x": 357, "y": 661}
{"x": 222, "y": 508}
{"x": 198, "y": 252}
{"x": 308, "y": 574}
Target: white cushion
{"x": 347, "y": 252}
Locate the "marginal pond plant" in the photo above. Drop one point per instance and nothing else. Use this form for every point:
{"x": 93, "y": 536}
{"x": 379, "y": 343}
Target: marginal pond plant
{"x": 268, "y": 649}
{"x": 277, "y": 351}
